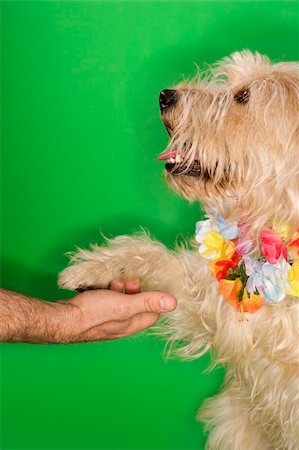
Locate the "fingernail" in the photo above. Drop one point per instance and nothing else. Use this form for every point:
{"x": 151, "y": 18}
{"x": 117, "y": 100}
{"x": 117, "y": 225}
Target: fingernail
{"x": 166, "y": 304}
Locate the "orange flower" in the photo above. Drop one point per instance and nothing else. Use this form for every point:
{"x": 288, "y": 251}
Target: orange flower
{"x": 230, "y": 290}
{"x": 293, "y": 247}
{"x": 251, "y": 302}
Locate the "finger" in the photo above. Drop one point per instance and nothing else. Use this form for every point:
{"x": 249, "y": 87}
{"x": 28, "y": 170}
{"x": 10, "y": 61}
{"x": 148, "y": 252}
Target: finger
{"x": 156, "y": 302}
{"x": 117, "y": 285}
{"x": 141, "y": 322}
{"x": 133, "y": 286}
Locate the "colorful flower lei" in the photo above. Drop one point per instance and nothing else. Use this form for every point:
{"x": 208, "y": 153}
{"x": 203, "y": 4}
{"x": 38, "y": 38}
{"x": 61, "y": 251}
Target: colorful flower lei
{"x": 245, "y": 281}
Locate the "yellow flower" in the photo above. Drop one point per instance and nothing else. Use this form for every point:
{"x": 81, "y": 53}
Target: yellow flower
{"x": 294, "y": 280}
{"x": 217, "y": 247}
{"x": 282, "y": 229}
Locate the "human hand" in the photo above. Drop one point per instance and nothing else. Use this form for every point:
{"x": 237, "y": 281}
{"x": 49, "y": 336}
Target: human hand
{"x": 111, "y": 314}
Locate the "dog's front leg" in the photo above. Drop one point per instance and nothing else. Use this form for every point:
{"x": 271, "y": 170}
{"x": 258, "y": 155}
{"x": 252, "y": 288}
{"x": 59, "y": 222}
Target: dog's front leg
{"x": 183, "y": 274}
{"x": 124, "y": 257}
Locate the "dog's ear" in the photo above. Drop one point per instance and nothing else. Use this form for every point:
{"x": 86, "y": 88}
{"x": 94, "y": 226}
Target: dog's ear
{"x": 242, "y": 65}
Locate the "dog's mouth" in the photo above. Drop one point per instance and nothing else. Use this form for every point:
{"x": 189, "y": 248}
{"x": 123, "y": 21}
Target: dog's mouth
{"x": 177, "y": 165}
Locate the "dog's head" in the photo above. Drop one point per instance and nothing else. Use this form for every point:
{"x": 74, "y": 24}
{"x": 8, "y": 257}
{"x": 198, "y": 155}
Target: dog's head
{"x": 234, "y": 139}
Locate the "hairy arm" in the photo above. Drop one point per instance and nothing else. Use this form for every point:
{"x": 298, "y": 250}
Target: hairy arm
{"x": 89, "y": 316}
{"x": 27, "y": 319}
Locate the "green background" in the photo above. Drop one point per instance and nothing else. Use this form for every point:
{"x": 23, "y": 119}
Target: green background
{"x": 81, "y": 133}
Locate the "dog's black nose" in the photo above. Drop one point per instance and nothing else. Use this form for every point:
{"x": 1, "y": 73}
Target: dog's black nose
{"x": 168, "y": 97}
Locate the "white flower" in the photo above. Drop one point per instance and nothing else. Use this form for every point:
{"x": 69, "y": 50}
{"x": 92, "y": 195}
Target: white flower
{"x": 275, "y": 277}
{"x": 203, "y": 228}
{"x": 229, "y": 230}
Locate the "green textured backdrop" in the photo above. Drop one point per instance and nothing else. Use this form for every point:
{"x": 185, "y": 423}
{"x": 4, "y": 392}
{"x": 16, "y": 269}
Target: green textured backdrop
{"x": 81, "y": 133}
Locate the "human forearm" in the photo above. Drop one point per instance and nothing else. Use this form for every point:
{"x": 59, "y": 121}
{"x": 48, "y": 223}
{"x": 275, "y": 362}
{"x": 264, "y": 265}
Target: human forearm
{"x": 27, "y": 319}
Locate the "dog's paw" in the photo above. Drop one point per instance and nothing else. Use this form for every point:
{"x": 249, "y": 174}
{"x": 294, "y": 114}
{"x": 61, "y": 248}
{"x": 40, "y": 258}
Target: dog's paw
{"x": 123, "y": 257}
{"x": 85, "y": 275}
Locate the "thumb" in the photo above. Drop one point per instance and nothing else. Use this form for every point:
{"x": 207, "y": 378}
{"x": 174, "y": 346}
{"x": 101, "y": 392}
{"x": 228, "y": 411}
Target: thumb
{"x": 158, "y": 302}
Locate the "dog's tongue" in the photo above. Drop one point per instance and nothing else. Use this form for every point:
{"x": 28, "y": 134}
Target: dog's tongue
{"x": 168, "y": 154}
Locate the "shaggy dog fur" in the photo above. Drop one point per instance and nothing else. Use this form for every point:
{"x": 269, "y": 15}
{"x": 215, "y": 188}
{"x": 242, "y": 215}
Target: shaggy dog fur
{"x": 240, "y": 125}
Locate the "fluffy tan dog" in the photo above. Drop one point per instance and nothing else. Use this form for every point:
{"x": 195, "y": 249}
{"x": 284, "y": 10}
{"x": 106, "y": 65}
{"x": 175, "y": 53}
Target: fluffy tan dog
{"x": 234, "y": 147}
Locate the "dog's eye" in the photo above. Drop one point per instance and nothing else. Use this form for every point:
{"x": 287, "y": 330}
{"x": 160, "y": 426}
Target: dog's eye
{"x": 242, "y": 96}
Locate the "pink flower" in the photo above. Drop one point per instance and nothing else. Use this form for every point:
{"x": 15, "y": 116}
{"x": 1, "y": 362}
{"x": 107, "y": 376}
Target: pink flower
{"x": 272, "y": 246}
{"x": 244, "y": 242}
